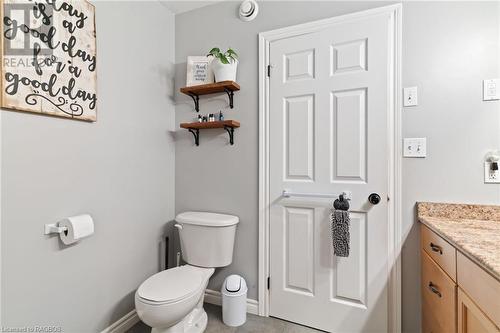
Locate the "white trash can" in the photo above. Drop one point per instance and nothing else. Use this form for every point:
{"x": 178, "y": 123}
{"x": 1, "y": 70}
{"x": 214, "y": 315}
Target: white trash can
{"x": 234, "y": 301}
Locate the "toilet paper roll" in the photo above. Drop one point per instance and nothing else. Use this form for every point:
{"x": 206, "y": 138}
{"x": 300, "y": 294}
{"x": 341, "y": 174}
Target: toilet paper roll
{"x": 79, "y": 227}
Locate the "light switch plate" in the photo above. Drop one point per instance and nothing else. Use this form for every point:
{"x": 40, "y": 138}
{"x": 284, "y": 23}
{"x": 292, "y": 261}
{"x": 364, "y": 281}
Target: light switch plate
{"x": 490, "y": 176}
{"x": 410, "y": 96}
{"x": 491, "y": 90}
{"x": 415, "y": 147}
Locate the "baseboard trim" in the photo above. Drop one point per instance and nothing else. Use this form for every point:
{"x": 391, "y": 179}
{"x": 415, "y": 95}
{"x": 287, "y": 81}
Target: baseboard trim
{"x": 123, "y": 324}
{"x": 215, "y": 297}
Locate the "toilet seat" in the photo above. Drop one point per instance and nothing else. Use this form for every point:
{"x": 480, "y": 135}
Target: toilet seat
{"x": 171, "y": 285}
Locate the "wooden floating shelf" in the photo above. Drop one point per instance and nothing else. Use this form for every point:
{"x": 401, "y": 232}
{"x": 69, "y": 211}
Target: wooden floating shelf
{"x": 211, "y": 124}
{"x": 211, "y": 88}
{"x": 229, "y": 87}
{"x": 228, "y": 125}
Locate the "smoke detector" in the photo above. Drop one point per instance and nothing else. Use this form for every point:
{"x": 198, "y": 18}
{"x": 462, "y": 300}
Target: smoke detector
{"x": 248, "y": 10}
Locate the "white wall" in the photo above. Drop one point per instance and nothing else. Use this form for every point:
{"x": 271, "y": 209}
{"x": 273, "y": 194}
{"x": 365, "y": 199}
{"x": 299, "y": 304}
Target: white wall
{"x": 448, "y": 49}
{"x": 119, "y": 169}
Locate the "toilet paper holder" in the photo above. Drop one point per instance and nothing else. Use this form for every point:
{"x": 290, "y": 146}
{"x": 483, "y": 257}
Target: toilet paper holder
{"x": 54, "y": 228}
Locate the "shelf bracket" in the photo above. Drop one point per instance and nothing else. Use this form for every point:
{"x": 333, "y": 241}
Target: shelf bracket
{"x": 196, "y": 134}
{"x": 230, "y": 94}
{"x": 230, "y": 131}
{"x": 196, "y": 100}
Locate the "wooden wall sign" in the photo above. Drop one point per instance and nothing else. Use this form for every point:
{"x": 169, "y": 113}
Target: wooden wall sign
{"x": 48, "y": 52}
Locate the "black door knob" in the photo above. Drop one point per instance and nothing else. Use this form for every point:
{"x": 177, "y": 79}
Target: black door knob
{"x": 374, "y": 198}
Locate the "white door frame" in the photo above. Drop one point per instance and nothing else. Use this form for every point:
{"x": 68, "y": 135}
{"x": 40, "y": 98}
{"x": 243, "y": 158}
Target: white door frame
{"x": 394, "y": 141}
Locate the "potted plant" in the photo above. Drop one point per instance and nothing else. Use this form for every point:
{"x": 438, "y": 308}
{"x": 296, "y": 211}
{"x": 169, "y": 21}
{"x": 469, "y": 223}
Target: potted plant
{"x": 224, "y": 65}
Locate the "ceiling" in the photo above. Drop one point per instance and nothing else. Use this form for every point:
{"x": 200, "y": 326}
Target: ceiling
{"x": 181, "y": 6}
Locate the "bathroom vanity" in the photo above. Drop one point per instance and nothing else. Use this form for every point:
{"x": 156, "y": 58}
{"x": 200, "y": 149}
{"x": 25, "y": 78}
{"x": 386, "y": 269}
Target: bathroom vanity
{"x": 460, "y": 253}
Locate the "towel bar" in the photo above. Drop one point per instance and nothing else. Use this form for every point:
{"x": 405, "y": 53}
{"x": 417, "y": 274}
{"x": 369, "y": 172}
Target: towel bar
{"x": 287, "y": 194}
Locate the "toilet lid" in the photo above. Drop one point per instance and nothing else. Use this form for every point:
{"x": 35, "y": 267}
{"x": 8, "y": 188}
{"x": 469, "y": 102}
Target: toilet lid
{"x": 170, "y": 285}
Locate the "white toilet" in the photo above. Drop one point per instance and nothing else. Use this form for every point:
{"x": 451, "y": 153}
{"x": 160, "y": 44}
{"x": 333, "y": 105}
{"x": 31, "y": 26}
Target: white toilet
{"x": 171, "y": 301}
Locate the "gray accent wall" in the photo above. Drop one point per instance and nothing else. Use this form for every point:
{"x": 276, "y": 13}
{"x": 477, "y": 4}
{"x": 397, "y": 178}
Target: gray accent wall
{"x": 119, "y": 169}
{"x": 448, "y": 49}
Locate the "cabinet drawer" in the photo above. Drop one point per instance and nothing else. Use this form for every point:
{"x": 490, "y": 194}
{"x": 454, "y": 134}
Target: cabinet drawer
{"x": 483, "y": 288}
{"x": 438, "y": 298}
{"x": 440, "y": 251}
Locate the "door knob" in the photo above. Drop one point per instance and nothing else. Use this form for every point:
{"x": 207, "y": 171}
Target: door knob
{"x": 374, "y": 198}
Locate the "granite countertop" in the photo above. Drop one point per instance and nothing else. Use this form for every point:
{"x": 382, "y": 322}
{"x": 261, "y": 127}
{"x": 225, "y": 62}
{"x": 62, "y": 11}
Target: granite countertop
{"x": 473, "y": 229}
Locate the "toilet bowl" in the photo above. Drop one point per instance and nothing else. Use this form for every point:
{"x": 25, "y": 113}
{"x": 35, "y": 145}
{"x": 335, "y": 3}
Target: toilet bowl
{"x": 171, "y": 301}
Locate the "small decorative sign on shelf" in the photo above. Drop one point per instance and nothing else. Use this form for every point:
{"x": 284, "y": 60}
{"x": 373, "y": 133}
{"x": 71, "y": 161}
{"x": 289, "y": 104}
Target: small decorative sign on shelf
{"x": 199, "y": 71}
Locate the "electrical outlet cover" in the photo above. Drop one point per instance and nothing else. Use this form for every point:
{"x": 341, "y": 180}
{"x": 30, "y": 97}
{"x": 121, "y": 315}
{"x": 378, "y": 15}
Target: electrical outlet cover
{"x": 491, "y": 177}
{"x": 410, "y": 96}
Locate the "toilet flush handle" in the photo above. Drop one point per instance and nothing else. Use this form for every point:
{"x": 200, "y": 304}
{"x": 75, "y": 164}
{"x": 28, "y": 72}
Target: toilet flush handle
{"x": 178, "y": 226}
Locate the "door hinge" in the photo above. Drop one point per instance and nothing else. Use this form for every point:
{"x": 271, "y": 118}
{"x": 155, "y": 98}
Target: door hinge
{"x": 269, "y": 70}
{"x": 268, "y": 282}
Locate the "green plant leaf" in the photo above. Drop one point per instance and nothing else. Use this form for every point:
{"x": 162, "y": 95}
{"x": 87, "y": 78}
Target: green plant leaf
{"x": 214, "y": 52}
{"x": 233, "y": 54}
{"x": 223, "y": 59}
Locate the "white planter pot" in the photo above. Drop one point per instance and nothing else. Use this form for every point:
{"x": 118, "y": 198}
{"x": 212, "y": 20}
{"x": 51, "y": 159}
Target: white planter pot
{"x": 224, "y": 72}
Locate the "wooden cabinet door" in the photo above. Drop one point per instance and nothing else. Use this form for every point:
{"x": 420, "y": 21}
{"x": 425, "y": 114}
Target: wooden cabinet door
{"x": 480, "y": 286}
{"x": 471, "y": 319}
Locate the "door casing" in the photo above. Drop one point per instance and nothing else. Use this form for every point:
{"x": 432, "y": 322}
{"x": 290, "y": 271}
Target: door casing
{"x": 395, "y": 152}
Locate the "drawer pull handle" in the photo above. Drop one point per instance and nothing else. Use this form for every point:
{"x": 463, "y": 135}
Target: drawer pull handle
{"x": 436, "y": 248}
{"x": 434, "y": 289}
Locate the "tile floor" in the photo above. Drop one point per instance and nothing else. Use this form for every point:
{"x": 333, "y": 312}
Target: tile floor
{"x": 254, "y": 324}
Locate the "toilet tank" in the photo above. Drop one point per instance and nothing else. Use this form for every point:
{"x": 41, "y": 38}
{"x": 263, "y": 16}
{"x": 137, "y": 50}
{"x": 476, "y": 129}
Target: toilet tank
{"x": 207, "y": 239}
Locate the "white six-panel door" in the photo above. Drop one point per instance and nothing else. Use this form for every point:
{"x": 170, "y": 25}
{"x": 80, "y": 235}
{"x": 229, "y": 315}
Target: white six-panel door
{"x": 329, "y": 103}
